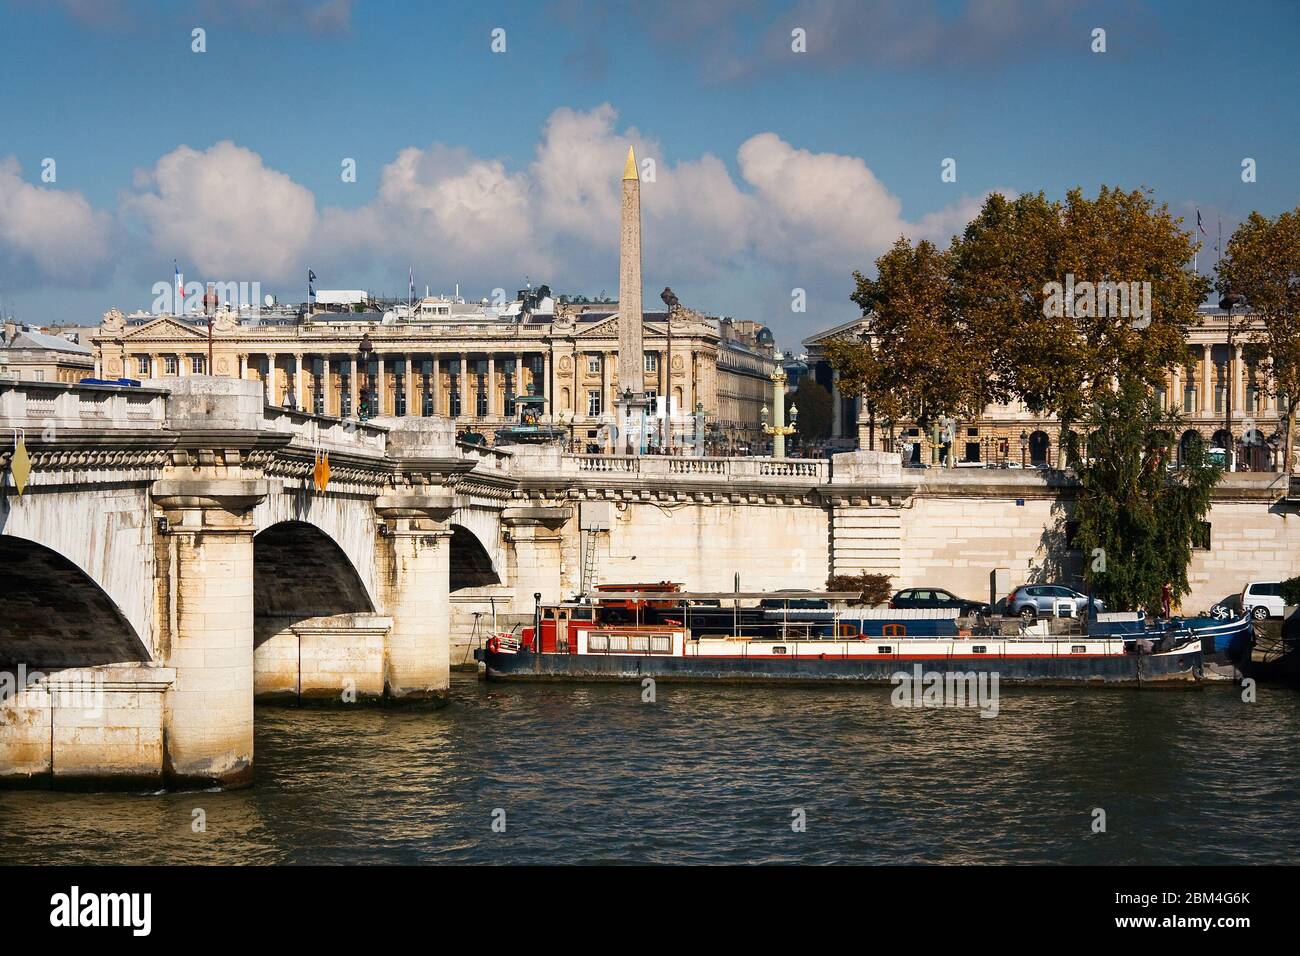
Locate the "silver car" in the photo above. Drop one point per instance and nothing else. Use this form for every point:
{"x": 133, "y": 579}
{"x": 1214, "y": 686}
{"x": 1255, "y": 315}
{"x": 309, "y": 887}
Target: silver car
{"x": 1031, "y": 600}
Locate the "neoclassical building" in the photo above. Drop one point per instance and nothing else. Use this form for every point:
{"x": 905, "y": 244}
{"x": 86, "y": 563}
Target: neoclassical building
{"x": 469, "y": 363}
{"x": 1198, "y": 392}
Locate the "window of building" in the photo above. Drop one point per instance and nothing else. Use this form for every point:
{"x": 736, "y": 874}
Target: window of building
{"x": 480, "y": 395}
{"x": 593, "y": 401}
{"x": 345, "y": 396}
{"x": 399, "y": 392}
{"x": 169, "y": 364}
{"x": 142, "y": 366}
{"x": 1189, "y": 398}
{"x": 38, "y": 375}
{"x": 652, "y": 361}
{"x": 1220, "y": 398}
{"x": 593, "y": 364}
{"x": 453, "y": 400}
{"x": 199, "y": 364}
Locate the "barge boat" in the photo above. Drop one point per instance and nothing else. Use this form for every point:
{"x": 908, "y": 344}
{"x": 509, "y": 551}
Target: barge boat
{"x": 776, "y": 642}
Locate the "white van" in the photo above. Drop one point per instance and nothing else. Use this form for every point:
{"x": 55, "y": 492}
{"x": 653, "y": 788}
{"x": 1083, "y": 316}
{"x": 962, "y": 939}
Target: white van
{"x": 1263, "y": 599}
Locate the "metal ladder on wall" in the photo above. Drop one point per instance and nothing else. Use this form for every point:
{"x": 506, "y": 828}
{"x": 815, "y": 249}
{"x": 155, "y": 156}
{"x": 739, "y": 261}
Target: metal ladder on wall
{"x": 589, "y": 562}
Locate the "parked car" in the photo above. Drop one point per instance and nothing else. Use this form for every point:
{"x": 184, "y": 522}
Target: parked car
{"x": 938, "y": 598}
{"x": 1263, "y": 599}
{"x": 1031, "y": 600}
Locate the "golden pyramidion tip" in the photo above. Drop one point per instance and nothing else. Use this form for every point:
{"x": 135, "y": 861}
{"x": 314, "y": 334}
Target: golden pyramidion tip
{"x": 629, "y": 168}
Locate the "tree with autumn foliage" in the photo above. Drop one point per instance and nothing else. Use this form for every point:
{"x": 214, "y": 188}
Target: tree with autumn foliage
{"x": 1058, "y": 362}
{"x": 915, "y": 359}
{"x": 1077, "y": 309}
{"x": 1262, "y": 262}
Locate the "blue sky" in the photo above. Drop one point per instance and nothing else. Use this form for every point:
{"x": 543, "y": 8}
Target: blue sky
{"x": 775, "y": 170}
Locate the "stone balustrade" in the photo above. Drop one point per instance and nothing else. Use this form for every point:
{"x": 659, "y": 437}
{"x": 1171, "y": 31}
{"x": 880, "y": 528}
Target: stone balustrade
{"x": 39, "y": 406}
{"x": 800, "y": 470}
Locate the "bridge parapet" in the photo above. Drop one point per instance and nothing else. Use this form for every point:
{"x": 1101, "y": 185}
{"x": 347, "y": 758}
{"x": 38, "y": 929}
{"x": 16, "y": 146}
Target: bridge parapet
{"x": 800, "y": 471}
{"x": 310, "y": 432}
{"x": 38, "y": 406}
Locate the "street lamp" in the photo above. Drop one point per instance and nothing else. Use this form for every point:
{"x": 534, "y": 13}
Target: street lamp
{"x": 1230, "y": 301}
{"x": 778, "y": 429}
{"x": 1024, "y": 445}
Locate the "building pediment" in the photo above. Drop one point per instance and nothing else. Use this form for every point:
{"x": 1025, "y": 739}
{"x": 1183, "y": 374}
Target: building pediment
{"x": 607, "y": 328}
{"x": 163, "y": 329}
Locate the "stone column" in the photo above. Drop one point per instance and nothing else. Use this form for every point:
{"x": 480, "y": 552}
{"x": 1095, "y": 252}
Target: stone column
{"x": 1176, "y": 388}
{"x": 546, "y": 382}
{"x": 408, "y": 386}
{"x": 1238, "y": 383}
{"x": 519, "y": 375}
{"x": 466, "y": 409}
{"x": 379, "y": 386}
{"x": 299, "y": 382}
{"x": 491, "y": 385}
{"x": 605, "y": 404}
{"x": 537, "y": 541}
{"x": 271, "y": 397}
{"x": 435, "y": 383}
{"x": 415, "y": 558}
{"x": 209, "y": 607}
{"x": 1207, "y": 385}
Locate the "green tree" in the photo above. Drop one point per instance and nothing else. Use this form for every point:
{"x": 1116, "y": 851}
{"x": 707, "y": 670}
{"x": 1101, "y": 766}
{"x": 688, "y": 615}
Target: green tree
{"x": 1057, "y": 352}
{"x": 1262, "y": 262}
{"x": 861, "y": 373}
{"x": 815, "y": 413}
{"x": 916, "y": 356}
{"x": 1137, "y": 518}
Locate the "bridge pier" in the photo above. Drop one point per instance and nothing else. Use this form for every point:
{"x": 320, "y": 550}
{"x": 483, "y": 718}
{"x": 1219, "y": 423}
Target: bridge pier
{"x": 415, "y": 555}
{"x": 208, "y": 629}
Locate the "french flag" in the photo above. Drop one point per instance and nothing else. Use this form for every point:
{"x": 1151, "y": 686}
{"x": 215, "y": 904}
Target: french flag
{"x": 180, "y": 290}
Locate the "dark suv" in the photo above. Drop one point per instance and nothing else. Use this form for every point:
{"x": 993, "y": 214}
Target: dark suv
{"x": 937, "y": 598}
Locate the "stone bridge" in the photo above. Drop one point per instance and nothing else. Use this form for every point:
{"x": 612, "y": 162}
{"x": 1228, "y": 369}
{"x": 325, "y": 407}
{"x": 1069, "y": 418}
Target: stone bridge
{"x": 171, "y": 557}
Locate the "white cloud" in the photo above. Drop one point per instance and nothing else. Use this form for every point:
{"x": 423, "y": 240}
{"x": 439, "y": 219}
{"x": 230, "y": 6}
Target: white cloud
{"x": 791, "y": 218}
{"x": 49, "y": 235}
{"x": 225, "y": 212}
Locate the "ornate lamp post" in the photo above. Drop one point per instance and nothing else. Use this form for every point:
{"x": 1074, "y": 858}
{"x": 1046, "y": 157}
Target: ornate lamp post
{"x": 779, "y": 429}
{"x": 1024, "y": 445}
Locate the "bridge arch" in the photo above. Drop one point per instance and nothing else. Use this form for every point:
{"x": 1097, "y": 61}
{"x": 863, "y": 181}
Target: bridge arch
{"x": 346, "y": 523}
{"x": 56, "y": 615}
{"x": 471, "y": 562}
{"x": 314, "y": 627}
{"x": 299, "y": 570}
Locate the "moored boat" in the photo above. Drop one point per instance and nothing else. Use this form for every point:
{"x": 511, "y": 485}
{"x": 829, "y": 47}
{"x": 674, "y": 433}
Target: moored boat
{"x": 571, "y": 641}
{"x": 1223, "y": 642}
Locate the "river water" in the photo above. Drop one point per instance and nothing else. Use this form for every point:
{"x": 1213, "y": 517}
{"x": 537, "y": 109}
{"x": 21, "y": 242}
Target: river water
{"x": 711, "y": 774}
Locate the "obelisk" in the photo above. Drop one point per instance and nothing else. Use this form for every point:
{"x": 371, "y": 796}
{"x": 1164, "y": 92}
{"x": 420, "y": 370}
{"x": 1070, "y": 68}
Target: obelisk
{"x": 631, "y": 360}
